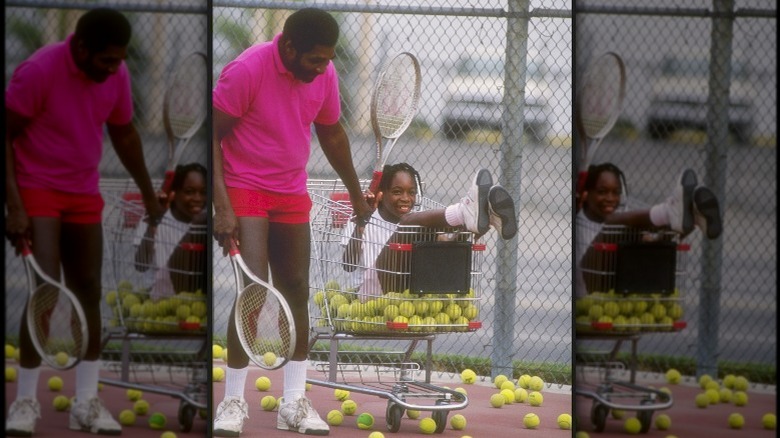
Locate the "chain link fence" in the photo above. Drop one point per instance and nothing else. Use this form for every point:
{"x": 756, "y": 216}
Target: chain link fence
{"x": 471, "y": 117}
{"x": 700, "y": 94}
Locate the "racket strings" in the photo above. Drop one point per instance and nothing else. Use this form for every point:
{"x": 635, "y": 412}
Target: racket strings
{"x": 396, "y": 97}
{"x": 58, "y": 327}
{"x": 602, "y": 95}
{"x": 263, "y": 325}
{"x": 187, "y": 97}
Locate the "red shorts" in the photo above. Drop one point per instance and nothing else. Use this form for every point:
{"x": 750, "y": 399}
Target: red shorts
{"x": 72, "y": 208}
{"x": 285, "y": 209}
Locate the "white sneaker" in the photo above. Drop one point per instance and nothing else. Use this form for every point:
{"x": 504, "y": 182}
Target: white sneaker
{"x": 300, "y": 416}
{"x": 502, "y": 212}
{"x": 22, "y": 416}
{"x": 91, "y": 416}
{"x": 230, "y": 416}
{"x": 680, "y": 204}
{"x": 706, "y": 212}
{"x": 474, "y": 204}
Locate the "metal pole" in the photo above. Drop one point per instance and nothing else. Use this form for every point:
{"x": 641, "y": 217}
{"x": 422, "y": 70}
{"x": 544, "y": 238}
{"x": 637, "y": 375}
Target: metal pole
{"x": 513, "y": 125}
{"x": 715, "y": 179}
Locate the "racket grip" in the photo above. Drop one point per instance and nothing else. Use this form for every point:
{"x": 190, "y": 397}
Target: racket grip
{"x": 374, "y": 186}
{"x": 234, "y": 248}
{"x": 581, "y": 177}
{"x": 168, "y": 181}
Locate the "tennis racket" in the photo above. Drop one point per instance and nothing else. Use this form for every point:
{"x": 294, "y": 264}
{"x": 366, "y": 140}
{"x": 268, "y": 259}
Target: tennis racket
{"x": 394, "y": 103}
{"x": 263, "y": 318}
{"x": 599, "y": 104}
{"x": 55, "y": 318}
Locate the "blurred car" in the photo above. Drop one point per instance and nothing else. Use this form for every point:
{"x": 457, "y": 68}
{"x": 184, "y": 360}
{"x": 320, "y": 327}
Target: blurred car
{"x": 679, "y": 97}
{"x": 475, "y": 95}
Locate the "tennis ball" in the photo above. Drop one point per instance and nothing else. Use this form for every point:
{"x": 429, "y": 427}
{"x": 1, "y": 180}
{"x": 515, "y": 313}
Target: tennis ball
{"x": 461, "y": 390}
{"x": 269, "y": 358}
{"x": 134, "y": 394}
{"x": 531, "y": 420}
{"x": 365, "y": 421}
{"x": 524, "y": 381}
{"x": 632, "y": 426}
{"x": 55, "y": 383}
{"x": 263, "y": 383}
{"x": 713, "y": 395}
{"x": 564, "y": 421}
{"x": 216, "y": 351}
{"x": 728, "y": 381}
{"x": 376, "y": 434}
{"x": 412, "y": 414}
{"x": 141, "y": 407}
{"x": 61, "y": 403}
{"x": 510, "y": 385}
{"x": 725, "y": 395}
{"x": 268, "y": 403}
{"x": 335, "y": 417}
{"x": 712, "y": 385}
{"x": 673, "y": 376}
{"x": 740, "y": 398}
{"x": 157, "y": 420}
{"x": 769, "y": 421}
{"x": 224, "y": 354}
{"x": 665, "y": 390}
{"x": 61, "y": 358}
{"x": 704, "y": 379}
{"x": 497, "y": 400}
{"x": 736, "y": 421}
{"x": 348, "y": 407}
{"x": 535, "y": 398}
{"x": 10, "y": 374}
{"x": 341, "y": 394}
{"x": 218, "y": 374}
{"x": 741, "y": 383}
{"x": 702, "y": 400}
{"x": 468, "y": 376}
{"x": 127, "y": 417}
{"x": 427, "y": 426}
{"x": 521, "y": 395}
{"x": 618, "y": 414}
{"x": 168, "y": 434}
{"x": 509, "y": 396}
{"x": 10, "y": 350}
{"x": 458, "y": 422}
{"x": 536, "y": 383}
{"x": 581, "y": 434}
{"x": 663, "y": 422}
{"x": 499, "y": 380}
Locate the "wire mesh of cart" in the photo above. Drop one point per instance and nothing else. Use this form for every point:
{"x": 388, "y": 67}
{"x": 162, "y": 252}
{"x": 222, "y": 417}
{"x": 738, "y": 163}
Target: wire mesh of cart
{"x": 154, "y": 306}
{"x": 402, "y": 285}
{"x": 634, "y": 280}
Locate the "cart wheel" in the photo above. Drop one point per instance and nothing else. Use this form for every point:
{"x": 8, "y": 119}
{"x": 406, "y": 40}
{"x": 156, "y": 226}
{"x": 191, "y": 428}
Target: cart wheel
{"x": 598, "y": 416}
{"x": 393, "y": 416}
{"x": 440, "y": 417}
{"x": 645, "y": 417}
{"x": 186, "y": 416}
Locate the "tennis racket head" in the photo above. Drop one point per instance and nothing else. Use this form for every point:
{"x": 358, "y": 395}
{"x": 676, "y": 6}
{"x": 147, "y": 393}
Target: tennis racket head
{"x": 55, "y": 319}
{"x": 263, "y": 318}
{"x": 601, "y": 96}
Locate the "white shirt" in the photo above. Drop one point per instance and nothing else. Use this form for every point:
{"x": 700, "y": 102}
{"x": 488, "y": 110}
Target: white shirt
{"x": 587, "y": 230}
{"x": 375, "y": 236}
{"x": 166, "y": 238}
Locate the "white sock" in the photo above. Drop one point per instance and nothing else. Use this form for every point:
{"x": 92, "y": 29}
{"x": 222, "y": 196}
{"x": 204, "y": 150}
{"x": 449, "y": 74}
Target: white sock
{"x": 87, "y": 375}
{"x": 27, "y": 382}
{"x": 453, "y": 214}
{"x": 235, "y": 381}
{"x": 659, "y": 215}
{"x": 294, "y": 380}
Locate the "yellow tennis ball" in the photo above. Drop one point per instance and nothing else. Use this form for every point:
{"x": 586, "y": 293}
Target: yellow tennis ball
{"x": 728, "y": 381}
{"x": 268, "y": 403}
{"x": 673, "y": 376}
{"x": 269, "y": 358}
{"x": 348, "y": 407}
{"x": 376, "y": 434}
{"x": 736, "y": 421}
{"x": 632, "y": 426}
{"x": 524, "y": 381}
{"x": 741, "y": 383}
{"x": 263, "y": 383}
{"x": 521, "y": 395}
{"x": 703, "y": 380}
{"x": 10, "y": 351}
{"x": 168, "y": 434}
{"x": 618, "y": 414}
{"x": 157, "y": 420}
{"x": 61, "y": 403}
{"x": 335, "y": 417}
{"x": 218, "y": 374}
{"x": 702, "y": 400}
{"x": 134, "y": 394}
{"x": 61, "y": 358}
{"x": 225, "y": 354}
{"x": 217, "y": 351}
{"x": 712, "y": 385}
{"x": 427, "y": 426}
{"x": 663, "y": 422}
{"x": 497, "y": 400}
{"x": 499, "y": 380}
{"x": 127, "y": 417}
{"x": 725, "y": 395}
{"x": 536, "y": 383}
{"x": 535, "y": 398}
{"x": 141, "y": 407}
{"x": 365, "y": 421}
{"x": 564, "y": 421}
{"x": 461, "y": 390}
{"x": 713, "y": 395}
{"x": 341, "y": 394}
{"x": 769, "y": 421}
{"x": 10, "y": 374}
{"x": 740, "y": 398}
{"x": 468, "y": 376}
{"x": 581, "y": 434}
{"x": 55, "y": 383}
{"x": 509, "y": 396}
{"x": 413, "y": 414}
{"x": 458, "y": 422}
{"x": 508, "y": 385}
{"x": 531, "y": 420}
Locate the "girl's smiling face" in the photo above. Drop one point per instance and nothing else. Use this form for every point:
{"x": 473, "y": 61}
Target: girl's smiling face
{"x": 190, "y": 199}
{"x": 399, "y": 199}
{"x": 603, "y": 199}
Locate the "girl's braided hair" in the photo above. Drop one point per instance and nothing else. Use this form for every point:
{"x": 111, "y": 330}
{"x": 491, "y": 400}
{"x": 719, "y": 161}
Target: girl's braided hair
{"x": 595, "y": 170}
{"x": 389, "y": 171}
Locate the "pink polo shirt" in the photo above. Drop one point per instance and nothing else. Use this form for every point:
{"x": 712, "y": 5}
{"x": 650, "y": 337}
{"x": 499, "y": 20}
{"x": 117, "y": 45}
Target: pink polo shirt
{"x": 269, "y": 146}
{"x": 61, "y": 147}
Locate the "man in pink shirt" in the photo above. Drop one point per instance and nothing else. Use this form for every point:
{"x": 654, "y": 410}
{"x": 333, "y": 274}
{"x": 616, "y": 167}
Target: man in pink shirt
{"x": 264, "y": 105}
{"x": 56, "y": 105}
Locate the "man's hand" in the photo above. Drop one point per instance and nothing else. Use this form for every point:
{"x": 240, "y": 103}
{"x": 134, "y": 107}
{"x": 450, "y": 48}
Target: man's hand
{"x": 17, "y": 227}
{"x": 225, "y": 226}
{"x": 361, "y": 207}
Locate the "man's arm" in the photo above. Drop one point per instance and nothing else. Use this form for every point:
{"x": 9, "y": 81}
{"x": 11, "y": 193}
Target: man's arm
{"x": 335, "y": 144}
{"x": 127, "y": 144}
{"x": 17, "y": 223}
{"x": 225, "y": 222}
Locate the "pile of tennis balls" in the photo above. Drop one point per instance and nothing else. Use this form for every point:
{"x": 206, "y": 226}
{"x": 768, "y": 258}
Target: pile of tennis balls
{"x": 134, "y": 308}
{"x": 413, "y": 312}
{"x": 632, "y": 312}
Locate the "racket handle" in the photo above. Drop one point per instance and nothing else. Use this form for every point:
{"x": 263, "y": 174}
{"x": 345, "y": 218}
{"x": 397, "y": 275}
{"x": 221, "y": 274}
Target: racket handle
{"x": 374, "y": 186}
{"x": 25, "y": 247}
{"x": 234, "y": 248}
{"x": 581, "y": 177}
{"x": 168, "y": 181}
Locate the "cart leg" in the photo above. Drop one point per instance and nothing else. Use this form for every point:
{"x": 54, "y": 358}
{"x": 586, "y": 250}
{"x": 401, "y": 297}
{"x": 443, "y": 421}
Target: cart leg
{"x": 634, "y": 342}
{"x": 333, "y": 359}
{"x": 428, "y": 360}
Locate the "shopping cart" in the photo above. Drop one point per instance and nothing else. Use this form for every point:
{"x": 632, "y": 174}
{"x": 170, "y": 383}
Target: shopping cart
{"x": 154, "y": 319}
{"x": 634, "y": 279}
{"x": 428, "y": 284}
